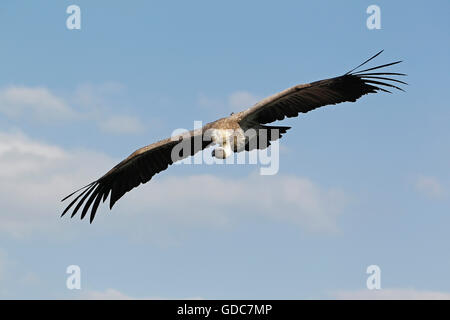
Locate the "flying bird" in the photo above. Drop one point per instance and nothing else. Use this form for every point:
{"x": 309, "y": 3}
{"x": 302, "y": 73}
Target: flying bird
{"x": 229, "y": 134}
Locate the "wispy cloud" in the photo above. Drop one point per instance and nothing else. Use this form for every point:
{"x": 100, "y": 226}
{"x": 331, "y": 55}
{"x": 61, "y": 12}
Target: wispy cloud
{"x": 32, "y": 176}
{"x": 113, "y": 294}
{"x": 202, "y": 200}
{"x": 392, "y": 294}
{"x": 2, "y": 264}
{"x": 36, "y": 103}
{"x": 95, "y": 99}
{"x": 30, "y": 279}
{"x": 236, "y": 101}
{"x": 241, "y": 100}
{"x": 20, "y": 155}
{"x": 91, "y": 103}
{"x": 122, "y": 125}
{"x": 210, "y": 103}
{"x": 7, "y": 274}
{"x": 108, "y": 294}
{"x": 430, "y": 187}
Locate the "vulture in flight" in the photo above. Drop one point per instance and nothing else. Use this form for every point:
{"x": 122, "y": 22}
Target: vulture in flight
{"x": 230, "y": 133}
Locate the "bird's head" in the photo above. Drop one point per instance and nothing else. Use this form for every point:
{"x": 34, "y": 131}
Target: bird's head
{"x": 219, "y": 153}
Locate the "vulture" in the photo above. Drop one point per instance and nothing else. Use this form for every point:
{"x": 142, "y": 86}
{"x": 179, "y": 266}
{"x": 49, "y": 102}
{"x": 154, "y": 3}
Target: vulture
{"x": 230, "y": 134}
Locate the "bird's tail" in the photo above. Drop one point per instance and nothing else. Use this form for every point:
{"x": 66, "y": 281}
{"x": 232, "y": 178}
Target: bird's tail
{"x": 258, "y": 142}
{"x": 281, "y": 129}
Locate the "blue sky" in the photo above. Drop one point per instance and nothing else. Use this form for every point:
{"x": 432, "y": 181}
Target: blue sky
{"x": 359, "y": 184}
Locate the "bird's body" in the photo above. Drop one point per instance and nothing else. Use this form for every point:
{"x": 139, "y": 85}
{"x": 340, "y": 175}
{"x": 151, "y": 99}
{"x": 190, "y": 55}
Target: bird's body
{"x": 229, "y": 140}
{"x": 242, "y": 131}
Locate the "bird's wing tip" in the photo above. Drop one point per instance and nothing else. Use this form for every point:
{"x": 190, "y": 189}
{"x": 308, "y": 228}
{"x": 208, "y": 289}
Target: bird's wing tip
{"x": 67, "y": 197}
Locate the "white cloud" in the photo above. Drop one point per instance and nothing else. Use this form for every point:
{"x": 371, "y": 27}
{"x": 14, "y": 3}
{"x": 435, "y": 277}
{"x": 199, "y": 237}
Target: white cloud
{"x": 88, "y": 103}
{"x": 96, "y": 101}
{"x": 430, "y": 187}
{"x": 20, "y": 155}
{"x": 241, "y": 100}
{"x": 108, "y": 294}
{"x": 236, "y": 101}
{"x": 3, "y": 276}
{"x": 97, "y": 98}
{"x": 209, "y": 103}
{"x": 392, "y": 294}
{"x": 122, "y": 125}
{"x": 113, "y": 294}
{"x": 7, "y": 274}
{"x": 36, "y": 103}
{"x": 30, "y": 279}
{"x": 2, "y": 264}
{"x": 35, "y": 175}
{"x": 221, "y": 201}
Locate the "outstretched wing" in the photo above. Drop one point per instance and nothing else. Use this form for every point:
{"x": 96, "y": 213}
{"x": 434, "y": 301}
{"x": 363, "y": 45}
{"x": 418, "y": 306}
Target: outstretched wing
{"x": 138, "y": 168}
{"x": 306, "y": 97}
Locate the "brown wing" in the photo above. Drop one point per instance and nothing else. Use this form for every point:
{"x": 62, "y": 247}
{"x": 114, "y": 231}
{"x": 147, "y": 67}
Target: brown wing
{"x": 307, "y": 97}
{"x": 138, "y": 168}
